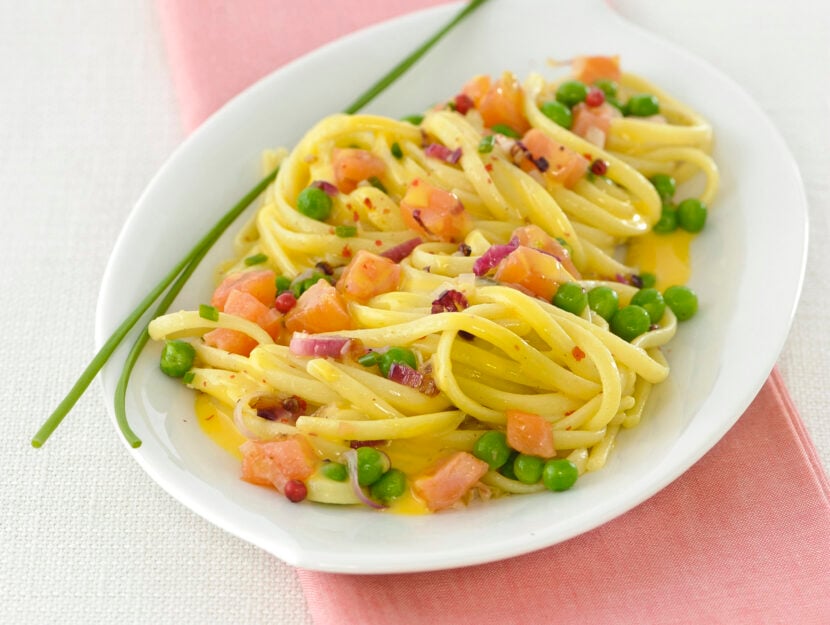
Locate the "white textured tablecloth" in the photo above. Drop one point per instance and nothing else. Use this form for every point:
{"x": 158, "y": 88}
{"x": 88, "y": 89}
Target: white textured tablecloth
{"x": 87, "y": 115}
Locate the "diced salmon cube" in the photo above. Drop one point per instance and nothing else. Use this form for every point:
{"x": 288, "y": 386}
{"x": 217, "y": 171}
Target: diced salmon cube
{"x": 273, "y": 463}
{"x": 368, "y": 275}
{"x": 476, "y": 88}
{"x": 504, "y": 104}
{"x": 450, "y": 480}
{"x": 594, "y": 122}
{"x": 535, "y": 271}
{"x": 589, "y": 69}
{"x": 433, "y": 213}
{"x": 564, "y": 165}
{"x": 352, "y": 165}
{"x": 530, "y": 434}
{"x": 259, "y": 283}
{"x": 320, "y": 309}
{"x": 245, "y": 305}
{"x": 533, "y": 236}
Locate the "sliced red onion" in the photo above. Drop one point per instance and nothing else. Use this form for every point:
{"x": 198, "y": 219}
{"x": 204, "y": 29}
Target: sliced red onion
{"x": 303, "y": 344}
{"x": 326, "y": 186}
{"x": 358, "y": 444}
{"x": 443, "y": 153}
{"x": 406, "y": 375}
{"x": 492, "y": 257}
{"x": 351, "y": 464}
{"x": 449, "y": 301}
{"x": 275, "y": 413}
{"x": 402, "y": 250}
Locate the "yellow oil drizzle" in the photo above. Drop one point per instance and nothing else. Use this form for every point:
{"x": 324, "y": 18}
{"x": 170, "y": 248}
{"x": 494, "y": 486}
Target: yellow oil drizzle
{"x": 218, "y": 426}
{"x": 664, "y": 255}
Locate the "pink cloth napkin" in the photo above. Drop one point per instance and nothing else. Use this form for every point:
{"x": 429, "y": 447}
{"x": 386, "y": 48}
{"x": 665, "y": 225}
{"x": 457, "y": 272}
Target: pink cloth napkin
{"x": 743, "y": 537}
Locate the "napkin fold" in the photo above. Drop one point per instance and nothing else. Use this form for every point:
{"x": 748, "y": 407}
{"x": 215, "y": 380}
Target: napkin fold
{"x": 742, "y": 537}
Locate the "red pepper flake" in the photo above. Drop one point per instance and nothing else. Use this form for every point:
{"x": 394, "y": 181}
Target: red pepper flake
{"x": 210, "y": 417}
{"x": 367, "y": 202}
{"x": 359, "y": 444}
{"x": 569, "y": 413}
{"x": 378, "y": 242}
{"x": 416, "y": 182}
{"x": 588, "y": 156}
{"x": 489, "y": 167}
{"x": 355, "y": 216}
{"x": 347, "y": 252}
{"x": 578, "y": 354}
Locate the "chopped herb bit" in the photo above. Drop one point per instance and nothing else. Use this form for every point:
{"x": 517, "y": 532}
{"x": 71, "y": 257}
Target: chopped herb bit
{"x": 345, "y": 232}
{"x": 377, "y": 184}
{"x": 206, "y": 311}
{"x": 256, "y": 259}
{"x": 369, "y": 359}
{"x": 504, "y": 129}
{"x": 187, "y": 378}
{"x": 415, "y": 120}
{"x": 485, "y": 146}
{"x": 396, "y": 150}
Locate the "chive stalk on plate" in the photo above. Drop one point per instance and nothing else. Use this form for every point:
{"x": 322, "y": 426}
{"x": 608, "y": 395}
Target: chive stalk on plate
{"x": 172, "y": 283}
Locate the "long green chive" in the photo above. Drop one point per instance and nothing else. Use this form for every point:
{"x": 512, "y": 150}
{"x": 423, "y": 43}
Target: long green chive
{"x": 256, "y": 259}
{"x": 191, "y": 260}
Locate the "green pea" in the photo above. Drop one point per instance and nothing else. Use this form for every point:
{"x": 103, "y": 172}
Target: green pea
{"x": 315, "y": 203}
{"x": 607, "y": 86}
{"x": 371, "y": 465}
{"x": 665, "y": 186}
{"x": 630, "y": 322}
{"x": 667, "y": 222}
{"x": 558, "y": 112}
{"x": 571, "y": 92}
{"x": 571, "y": 297}
{"x": 652, "y": 301}
{"x": 559, "y": 474}
{"x": 399, "y": 355}
{"x": 642, "y": 105}
{"x": 682, "y": 301}
{"x": 691, "y": 215}
{"x": 390, "y": 486}
{"x": 648, "y": 280}
{"x": 283, "y": 284}
{"x": 604, "y": 301}
{"x": 177, "y": 358}
{"x": 528, "y": 469}
{"x": 507, "y": 468}
{"x": 492, "y": 448}
{"x": 334, "y": 471}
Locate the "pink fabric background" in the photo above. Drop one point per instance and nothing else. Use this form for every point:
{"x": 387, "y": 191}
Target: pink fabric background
{"x": 743, "y": 537}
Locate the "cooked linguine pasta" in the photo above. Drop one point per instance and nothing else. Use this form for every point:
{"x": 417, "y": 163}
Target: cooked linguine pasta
{"x": 407, "y": 289}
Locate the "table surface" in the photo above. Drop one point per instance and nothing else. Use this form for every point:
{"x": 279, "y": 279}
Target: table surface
{"x": 87, "y": 115}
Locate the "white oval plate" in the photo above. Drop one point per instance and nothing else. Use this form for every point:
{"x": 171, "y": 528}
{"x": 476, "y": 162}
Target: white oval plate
{"x": 719, "y": 359}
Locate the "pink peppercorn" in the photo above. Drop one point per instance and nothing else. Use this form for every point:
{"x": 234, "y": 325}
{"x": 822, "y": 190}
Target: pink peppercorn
{"x": 595, "y": 97}
{"x": 295, "y": 491}
{"x": 463, "y": 103}
{"x": 599, "y": 167}
{"x": 285, "y": 302}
